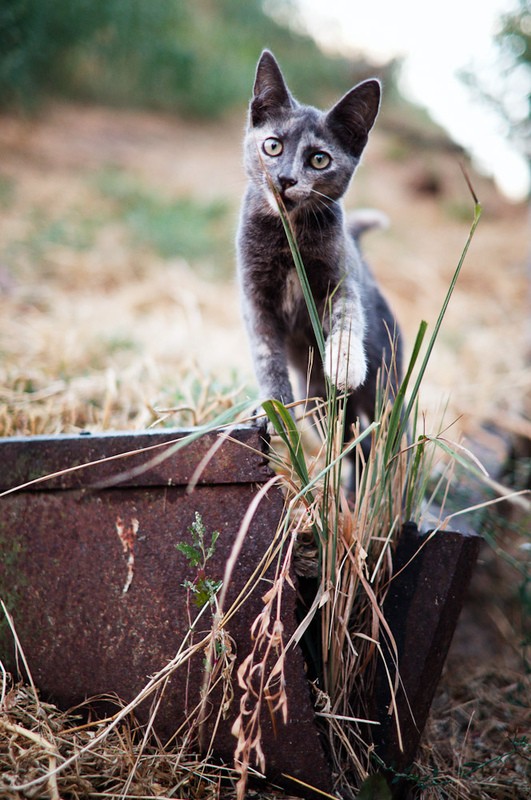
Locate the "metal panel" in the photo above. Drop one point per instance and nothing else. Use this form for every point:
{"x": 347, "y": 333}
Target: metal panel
{"x": 432, "y": 575}
{"x": 93, "y": 579}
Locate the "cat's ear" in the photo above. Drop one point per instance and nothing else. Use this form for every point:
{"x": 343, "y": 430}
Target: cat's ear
{"x": 270, "y": 92}
{"x": 353, "y": 116}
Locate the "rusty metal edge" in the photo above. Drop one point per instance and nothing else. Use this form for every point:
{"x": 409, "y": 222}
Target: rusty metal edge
{"x": 143, "y": 458}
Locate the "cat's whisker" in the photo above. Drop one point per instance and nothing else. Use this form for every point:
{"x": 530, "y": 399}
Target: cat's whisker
{"x": 327, "y": 197}
{"x": 320, "y": 203}
{"x": 314, "y": 219}
{"x": 318, "y": 222}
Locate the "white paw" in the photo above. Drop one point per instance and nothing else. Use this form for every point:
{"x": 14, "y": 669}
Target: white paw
{"x": 345, "y": 362}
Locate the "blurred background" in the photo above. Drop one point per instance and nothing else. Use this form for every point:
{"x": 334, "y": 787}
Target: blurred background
{"x": 120, "y": 180}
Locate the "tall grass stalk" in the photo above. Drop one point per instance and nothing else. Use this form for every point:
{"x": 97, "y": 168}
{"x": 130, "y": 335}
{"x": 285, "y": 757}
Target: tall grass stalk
{"x": 354, "y": 536}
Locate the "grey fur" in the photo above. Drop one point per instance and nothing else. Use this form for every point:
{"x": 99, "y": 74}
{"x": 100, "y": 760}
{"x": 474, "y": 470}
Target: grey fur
{"x": 357, "y": 321}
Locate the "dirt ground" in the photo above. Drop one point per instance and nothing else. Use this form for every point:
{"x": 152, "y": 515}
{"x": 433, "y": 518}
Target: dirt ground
{"x": 100, "y": 331}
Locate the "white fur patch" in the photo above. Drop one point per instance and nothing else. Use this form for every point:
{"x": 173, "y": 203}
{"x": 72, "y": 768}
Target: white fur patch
{"x": 292, "y": 294}
{"x": 272, "y": 200}
{"x": 345, "y": 361}
{"x": 262, "y": 350}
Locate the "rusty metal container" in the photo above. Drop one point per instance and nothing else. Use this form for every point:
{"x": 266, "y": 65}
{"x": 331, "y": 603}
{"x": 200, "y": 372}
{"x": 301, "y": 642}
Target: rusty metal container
{"x": 90, "y": 571}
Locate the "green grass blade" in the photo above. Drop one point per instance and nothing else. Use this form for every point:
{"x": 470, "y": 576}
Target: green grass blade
{"x": 413, "y": 477}
{"x": 285, "y": 426}
{"x": 303, "y": 278}
{"x": 398, "y": 420}
{"x": 442, "y": 313}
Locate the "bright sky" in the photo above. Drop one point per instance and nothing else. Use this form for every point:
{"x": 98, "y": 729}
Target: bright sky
{"x": 436, "y": 40}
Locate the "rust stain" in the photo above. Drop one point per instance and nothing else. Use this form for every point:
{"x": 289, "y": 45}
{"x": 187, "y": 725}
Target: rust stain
{"x": 127, "y": 535}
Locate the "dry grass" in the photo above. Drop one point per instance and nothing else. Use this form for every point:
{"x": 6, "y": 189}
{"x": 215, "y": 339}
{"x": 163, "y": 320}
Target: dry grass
{"x": 99, "y": 331}
{"x": 36, "y": 738}
{"x": 476, "y": 743}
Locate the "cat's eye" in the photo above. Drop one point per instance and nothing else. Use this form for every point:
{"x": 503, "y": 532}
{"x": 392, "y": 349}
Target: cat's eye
{"x": 320, "y": 160}
{"x": 272, "y": 146}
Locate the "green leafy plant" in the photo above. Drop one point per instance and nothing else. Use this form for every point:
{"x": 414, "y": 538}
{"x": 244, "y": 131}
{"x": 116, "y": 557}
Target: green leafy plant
{"x": 203, "y": 589}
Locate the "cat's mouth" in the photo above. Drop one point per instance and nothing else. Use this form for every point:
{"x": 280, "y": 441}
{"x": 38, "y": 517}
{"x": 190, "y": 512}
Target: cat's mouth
{"x": 280, "y": 200}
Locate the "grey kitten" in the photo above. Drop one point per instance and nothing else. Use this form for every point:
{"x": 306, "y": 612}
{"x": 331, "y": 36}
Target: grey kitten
{"x": 304, "y": 158}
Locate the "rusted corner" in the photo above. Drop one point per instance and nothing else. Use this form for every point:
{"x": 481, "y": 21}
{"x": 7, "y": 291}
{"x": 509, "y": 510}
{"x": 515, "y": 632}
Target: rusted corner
{"x": 432, "y": 575}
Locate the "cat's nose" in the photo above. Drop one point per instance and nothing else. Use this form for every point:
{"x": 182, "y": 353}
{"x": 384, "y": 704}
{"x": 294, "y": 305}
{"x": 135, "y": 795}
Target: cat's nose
{"x": 286, "y": 182}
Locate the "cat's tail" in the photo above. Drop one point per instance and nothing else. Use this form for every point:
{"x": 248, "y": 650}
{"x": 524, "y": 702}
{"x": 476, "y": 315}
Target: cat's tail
{"x": 366, "y": 219}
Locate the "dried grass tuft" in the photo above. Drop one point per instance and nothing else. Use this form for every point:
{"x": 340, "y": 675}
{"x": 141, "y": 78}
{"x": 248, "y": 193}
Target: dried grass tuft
{"x": 36, "y": 738}
{"x": 476, "y": 744}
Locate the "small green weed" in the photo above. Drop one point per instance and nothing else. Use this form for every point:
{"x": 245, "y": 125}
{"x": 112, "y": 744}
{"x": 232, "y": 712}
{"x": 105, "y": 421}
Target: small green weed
{"x": 202, "y": 589}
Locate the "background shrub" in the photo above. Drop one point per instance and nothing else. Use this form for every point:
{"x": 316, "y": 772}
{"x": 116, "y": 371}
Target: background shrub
{"x": 194, "y": 58}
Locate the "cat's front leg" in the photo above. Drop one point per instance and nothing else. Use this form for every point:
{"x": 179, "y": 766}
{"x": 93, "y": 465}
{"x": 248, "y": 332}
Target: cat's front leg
{"x": 269, "y": 357}
{"x": 272, "y": 371}
{"x": 345, "y": 362}
{"x": 345, "y": 359}
{"x": 273, "y": 378}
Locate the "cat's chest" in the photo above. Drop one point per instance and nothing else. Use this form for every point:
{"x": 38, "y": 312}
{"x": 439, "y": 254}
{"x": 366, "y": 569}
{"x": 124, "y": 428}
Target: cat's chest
{"x": 292, "y": 309}
{"x": 291, "y": 297}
